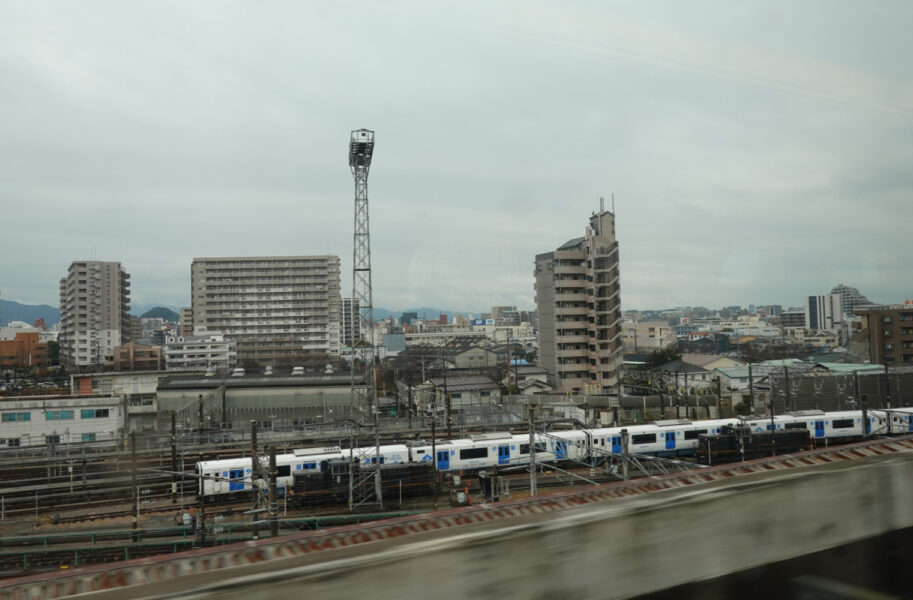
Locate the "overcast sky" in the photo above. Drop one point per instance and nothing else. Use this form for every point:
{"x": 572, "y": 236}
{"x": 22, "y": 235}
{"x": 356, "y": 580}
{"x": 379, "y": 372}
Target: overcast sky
{"x": 759, "y": 152}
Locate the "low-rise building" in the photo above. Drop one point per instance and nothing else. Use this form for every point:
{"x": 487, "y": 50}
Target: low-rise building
{"x": 54, "y": 420}
{"x": 711, "y": 361}
{"x": 645, "y": 336}
{"x": 134, "y": 356}
{"x": 465, "y": 391}
{"x": 136, "y": 388}
{"x": 24, "y": 350}
{"x": 199, "y": 353}
{"x": 473, "y": 357}
{"x": 276, "y": 402}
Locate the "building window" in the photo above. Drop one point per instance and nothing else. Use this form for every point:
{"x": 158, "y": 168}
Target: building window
{"x": 52, "y": 439}
{"x": 15, "y": 417}
{"x": 88, "y": 437}
{"x": 13, "y": 442}
{"x": 887, "y": 319}
{"x": 889, "y": 346}
{"x": 58, "y": 415}
{"x": 94, "y": 413}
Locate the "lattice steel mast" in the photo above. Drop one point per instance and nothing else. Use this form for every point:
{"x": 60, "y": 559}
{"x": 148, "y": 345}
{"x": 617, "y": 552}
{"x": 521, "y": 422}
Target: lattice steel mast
{"x": 364, "y": 393}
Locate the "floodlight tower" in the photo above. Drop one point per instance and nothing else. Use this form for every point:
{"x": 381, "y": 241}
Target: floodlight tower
{"x": 361, "y": 149}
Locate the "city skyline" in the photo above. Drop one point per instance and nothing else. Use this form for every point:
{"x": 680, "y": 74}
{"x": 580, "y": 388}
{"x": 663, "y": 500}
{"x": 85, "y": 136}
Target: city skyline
{"x": 757, "y": 153}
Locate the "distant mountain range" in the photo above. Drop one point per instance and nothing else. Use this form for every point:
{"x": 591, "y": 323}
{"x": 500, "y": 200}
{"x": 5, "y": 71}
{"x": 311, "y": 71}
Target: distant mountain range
{"x": 160, "y": 312}
{"x": 10, "y": 310}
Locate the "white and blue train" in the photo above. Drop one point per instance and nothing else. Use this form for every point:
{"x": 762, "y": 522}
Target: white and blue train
{"x": 660, "y": 438}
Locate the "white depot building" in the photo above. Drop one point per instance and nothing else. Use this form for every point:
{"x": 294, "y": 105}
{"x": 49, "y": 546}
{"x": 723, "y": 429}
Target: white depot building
{"x": 39, "y": 420}
{"x": 199, "y": 353}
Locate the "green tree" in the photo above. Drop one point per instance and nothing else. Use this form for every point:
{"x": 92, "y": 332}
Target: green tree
{"x": 53, "y": 352}
{"x": 658, "y": 358}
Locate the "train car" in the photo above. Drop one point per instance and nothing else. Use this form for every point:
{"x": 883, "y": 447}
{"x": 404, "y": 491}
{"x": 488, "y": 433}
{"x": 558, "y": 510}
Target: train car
{"x": 330, "y": 485}
{"x": 660, "y": 438}
{"x": 234, "y": 475}
{"x": 898, "y": 420}
{"x": 390, "y": 454}
{"x": 571, "y": 445}
{"x": 741, "y": 442}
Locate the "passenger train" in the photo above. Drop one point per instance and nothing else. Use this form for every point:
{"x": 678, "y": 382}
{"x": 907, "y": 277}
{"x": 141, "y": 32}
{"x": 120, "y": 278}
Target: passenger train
{"x": 661, "y": 438}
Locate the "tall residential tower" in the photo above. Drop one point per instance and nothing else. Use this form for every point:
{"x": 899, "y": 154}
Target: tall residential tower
{"x": 94, "y": 300}
{"x": 579, "y": 308}
{"x": 280, "y": 310}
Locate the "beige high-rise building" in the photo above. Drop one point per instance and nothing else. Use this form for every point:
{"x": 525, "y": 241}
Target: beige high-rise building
{"x": 280, "y": 310}
{"x": 185, "y": 317}
{"x": 94, "y": 300}
{"x": 350, "y": 321}
{"x": 579, "y": 308}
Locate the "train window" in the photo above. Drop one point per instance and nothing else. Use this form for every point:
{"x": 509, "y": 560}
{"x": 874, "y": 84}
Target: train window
{"x": 841, "y": 423}
{"x": 643, "y": 438}
{"x": 797, "y": 425}
{"x": 473, "y": 453}
{"x": 283, "y": 470}
{"x": 693, "y": 435}
{"x": 524, "y": 448}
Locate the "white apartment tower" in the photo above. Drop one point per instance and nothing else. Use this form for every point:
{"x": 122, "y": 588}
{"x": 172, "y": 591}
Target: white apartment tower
{"x": 579, "y": 307}
{"x": 350, "y": 321}
{"x": 824, "y": 312}
{"x": 278, "y": 309}
{"x": 94, "y": 300}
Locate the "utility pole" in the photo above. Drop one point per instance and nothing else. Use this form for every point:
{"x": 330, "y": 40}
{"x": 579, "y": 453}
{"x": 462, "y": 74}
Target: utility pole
{"x": 773, "y": 427}
{"x": 409, "y": 405}
{"x": 273, "y": 510}
{"x": 532, "y": 450}
{"x": 201, "y": 417}
{"x": 174, "y": 459}
{"x": 789, "y": 403}
{"x": 134, "y": 484}
{"x": 437, "y": 474}
{"x": 254, "y": 475}
{"x": 624, "y": 454}
{"x": 719, "y": 398}
{"x": 685, "y": 379}
{"x": 887, "y": 388}
{"x": 678, "y": 402}
{"x": 447, "y": 406}
{"x": 750, "y": 389}
{"x": 508, "y": 365}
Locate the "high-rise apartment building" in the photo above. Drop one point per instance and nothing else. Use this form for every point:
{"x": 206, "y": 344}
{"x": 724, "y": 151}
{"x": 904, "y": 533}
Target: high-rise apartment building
{"x": 185, "y": 317}
{"x": 278, "y": 309}
{"x": 886, "y": 333}
{"x": 350, "y": 321}
{"x": 850, "y": 299}
{"x": 579, "y": 310}
{"x": 94, "y": 300}
{"x": 824, "y": 312}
